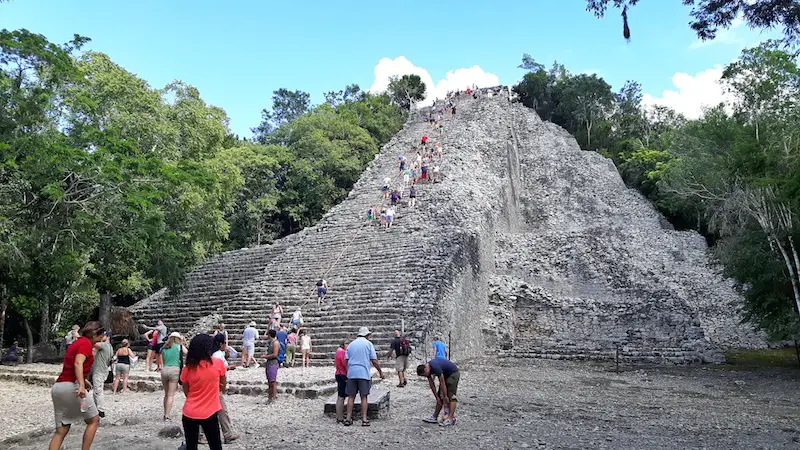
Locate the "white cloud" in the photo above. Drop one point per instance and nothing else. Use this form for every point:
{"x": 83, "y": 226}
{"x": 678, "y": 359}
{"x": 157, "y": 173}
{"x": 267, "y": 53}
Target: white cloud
{"x": 453, "y": 80}
{"x": 692, "y": 93}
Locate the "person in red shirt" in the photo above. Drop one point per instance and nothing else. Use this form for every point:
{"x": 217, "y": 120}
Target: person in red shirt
{"x": 203, "y": 379}
{"x": 424, "y": 140}
{"x": 70, "y": 402}
{"x": 341, "y": 380}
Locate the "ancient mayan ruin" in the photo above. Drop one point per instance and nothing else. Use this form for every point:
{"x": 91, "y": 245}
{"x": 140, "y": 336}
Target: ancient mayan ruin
{"x": 528, "y": 247}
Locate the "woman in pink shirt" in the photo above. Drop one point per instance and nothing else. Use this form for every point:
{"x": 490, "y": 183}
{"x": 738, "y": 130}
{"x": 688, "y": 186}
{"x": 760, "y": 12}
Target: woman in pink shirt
{"x": 341, "y": 380}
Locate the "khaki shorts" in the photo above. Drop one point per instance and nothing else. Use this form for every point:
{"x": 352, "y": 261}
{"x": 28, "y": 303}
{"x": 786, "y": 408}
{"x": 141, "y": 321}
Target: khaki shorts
{"x": 67, "y": 405}
{"x": 451, "y": 383}
{"x": 401, "y": 363}
{"x": 170, "y": 374}
{"x": 122, "y": 369}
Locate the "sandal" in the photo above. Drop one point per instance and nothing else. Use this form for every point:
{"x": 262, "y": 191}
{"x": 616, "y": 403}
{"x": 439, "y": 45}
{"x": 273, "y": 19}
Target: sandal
{"x": 347, "y": 422}
{"x": 365, "y": 423}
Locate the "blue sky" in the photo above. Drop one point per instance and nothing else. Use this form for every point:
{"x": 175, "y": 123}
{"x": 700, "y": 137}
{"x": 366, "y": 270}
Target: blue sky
{"x": 237, "y": 52}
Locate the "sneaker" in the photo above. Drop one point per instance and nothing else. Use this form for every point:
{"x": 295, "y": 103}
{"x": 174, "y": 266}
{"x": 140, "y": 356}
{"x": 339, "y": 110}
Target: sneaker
{"x": 447, "y": 423}
{"x": 102, "y": 414}
{"x": 231, "y": 438}
{"x": 431, "y": 419}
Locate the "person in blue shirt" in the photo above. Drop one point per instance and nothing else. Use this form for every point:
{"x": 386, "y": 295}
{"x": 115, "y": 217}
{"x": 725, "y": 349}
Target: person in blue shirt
{"x": 281, "y": 336}
{"x": 448, "y": 375}
{"x": 439, "y": 348}
{"x": 360, "y": 355}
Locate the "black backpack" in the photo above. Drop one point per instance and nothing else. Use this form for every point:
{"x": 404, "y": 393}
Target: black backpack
{"x": 404, "y": 347}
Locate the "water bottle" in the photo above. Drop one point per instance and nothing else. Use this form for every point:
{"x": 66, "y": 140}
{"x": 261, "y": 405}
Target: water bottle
{"x": 84, "y": 405}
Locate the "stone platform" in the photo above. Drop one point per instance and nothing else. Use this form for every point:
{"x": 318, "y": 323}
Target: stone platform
{"x": 378, "y": 404}
{"x": 312, "y": 382}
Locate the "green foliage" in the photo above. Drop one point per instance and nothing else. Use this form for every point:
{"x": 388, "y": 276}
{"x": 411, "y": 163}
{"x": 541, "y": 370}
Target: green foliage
{"x": 108, "y": 186}
{"x": 286, "y": 106}
{"x": 709, "y": 17}
{"x": 406, "y": 90}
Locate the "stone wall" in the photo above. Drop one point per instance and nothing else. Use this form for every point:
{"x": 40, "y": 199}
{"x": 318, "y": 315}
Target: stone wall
{"x": 528, "y": 244}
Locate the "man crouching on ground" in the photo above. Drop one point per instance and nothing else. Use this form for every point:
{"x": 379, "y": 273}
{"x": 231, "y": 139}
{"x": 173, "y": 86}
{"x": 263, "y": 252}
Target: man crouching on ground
{"x": 447, "y": 374}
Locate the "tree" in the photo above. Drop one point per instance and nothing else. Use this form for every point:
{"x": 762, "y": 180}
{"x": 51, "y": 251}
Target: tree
{"x": 406, "y": 90}
{"x": 765, "y": 81}
{"x": 286, "y": 106}
{"x": 588, "y": 99}
{"x": 628, "y": 116}
{"x": 351, "y": 93}
{"x": 711, "y": 16}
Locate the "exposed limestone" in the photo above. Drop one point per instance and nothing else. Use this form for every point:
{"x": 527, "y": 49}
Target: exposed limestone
{"x": 529, "y": 244}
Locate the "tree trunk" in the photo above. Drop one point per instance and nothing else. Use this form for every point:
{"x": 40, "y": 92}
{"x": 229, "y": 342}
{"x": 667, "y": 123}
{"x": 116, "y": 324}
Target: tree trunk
{"x": 29, "y": 332}
{"x": 3, "y": 309}
{"x": 104, "y": 313}
{"x": 44, "y": 325}
{"x": 588, "y": 135}
{"x": 792, "y": 273}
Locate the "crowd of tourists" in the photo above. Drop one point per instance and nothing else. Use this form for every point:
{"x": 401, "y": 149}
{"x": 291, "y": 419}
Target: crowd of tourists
{"x": 200, "y": 366}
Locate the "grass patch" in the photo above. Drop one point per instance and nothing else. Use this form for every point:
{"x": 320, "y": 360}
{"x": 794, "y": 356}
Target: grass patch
{"x": 780, "y": 357}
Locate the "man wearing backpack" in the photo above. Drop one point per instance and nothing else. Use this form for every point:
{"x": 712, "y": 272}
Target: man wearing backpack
{"x": 401, "y": 348}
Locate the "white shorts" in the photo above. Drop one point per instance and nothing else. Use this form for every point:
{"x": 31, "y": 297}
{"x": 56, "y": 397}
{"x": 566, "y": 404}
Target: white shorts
{"x": 249, "y": 347}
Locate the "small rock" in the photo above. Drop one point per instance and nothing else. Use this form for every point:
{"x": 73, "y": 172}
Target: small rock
{"x": 173, "y": 431}
{"x": 739, "y": 383}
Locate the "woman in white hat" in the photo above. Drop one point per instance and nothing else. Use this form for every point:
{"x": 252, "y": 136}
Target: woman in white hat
{"x": 173, "y": 353}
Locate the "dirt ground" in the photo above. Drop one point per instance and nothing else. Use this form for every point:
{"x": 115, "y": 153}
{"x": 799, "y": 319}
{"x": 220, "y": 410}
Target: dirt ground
{"x": 503, "y": 405}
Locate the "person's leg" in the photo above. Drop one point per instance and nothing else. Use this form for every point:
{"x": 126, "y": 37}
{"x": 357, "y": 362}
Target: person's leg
{"x": 58, "y": 437}
{"x": 350, "y": 403}
{"x": 191, "y": 430}
{"x": 89, "y": 432}
{"x": 124, "y": 383}
{"x": 169, "y": 397}
{"x": 244, "y": 356}
{"x": 149, "y": 360}
{"x": 98, "y": 385}
{"x": 364, "y": 407}
{"x": 339, "y": 408}
{"x": 115, "y": 383}
{"x": 225, "y": 420}
{"x": 273, "y": 390}
{"x": 211, "y": 429}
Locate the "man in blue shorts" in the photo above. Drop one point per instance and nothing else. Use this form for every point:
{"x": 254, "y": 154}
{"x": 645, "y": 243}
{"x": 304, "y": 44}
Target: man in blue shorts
{"x": 360, "y": 355}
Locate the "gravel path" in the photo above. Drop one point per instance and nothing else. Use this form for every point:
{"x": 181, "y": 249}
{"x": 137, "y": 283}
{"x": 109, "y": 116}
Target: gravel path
{"x": 519, "y": 404}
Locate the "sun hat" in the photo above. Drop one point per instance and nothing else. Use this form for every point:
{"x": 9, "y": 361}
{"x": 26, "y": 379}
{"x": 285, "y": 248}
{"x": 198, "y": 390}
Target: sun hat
{"x": 252, "y": 323}
{"x": 175, "y": 334}
{"x": 364, "y": 331}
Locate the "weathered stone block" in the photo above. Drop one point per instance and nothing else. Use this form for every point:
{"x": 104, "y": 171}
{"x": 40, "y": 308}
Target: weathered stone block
{"x": 378, "y": 404}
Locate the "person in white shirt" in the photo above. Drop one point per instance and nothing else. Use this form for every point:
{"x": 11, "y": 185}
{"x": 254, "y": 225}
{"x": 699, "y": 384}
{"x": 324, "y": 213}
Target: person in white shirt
{"x": 222, "y": 415}
{"x": 297, "y": 319}
{"x": 305, "y": 348}
{"x": 277, "y": 312}
{"x": 249, "y": 338}
{"x": 389, "y": 217}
